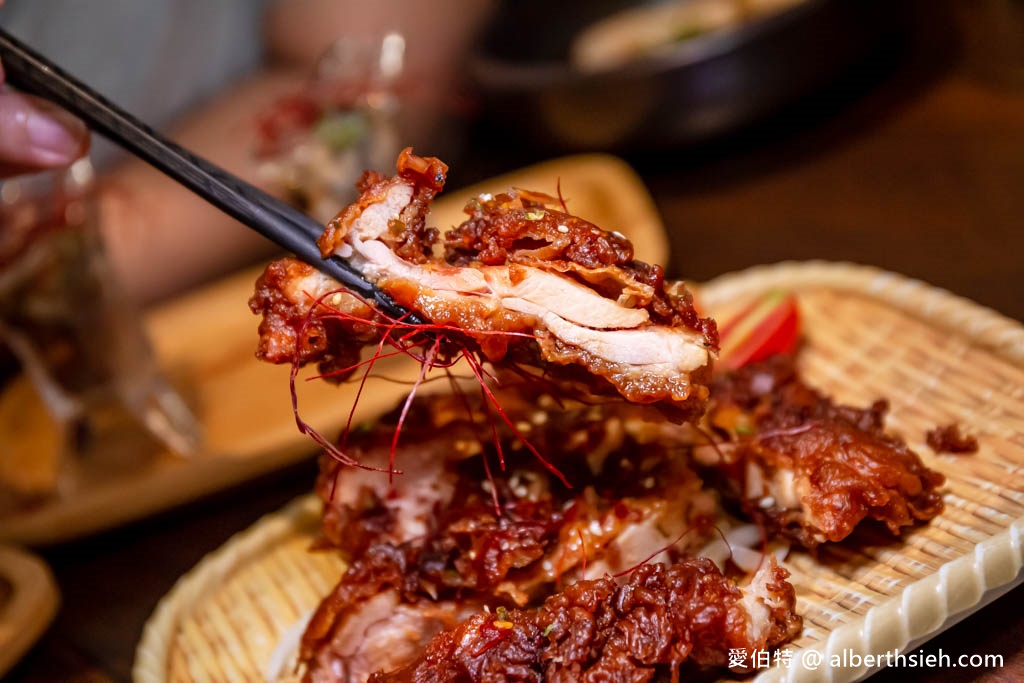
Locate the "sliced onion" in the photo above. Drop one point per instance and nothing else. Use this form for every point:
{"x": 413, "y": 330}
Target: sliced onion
{"x": 755, "y": 481}
{"x": 780, "y": 549}
{"x": 747, "y": 536}
{"x": 746, "y": 559}
{"x": 717, "y": 551}
{"x": 744, "y": 544}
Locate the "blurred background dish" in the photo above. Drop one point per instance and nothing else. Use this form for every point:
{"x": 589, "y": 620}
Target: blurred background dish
{"x": 658, "y": 28}
{"x": 315, "y": 144}
{"x": 646, "y": 74}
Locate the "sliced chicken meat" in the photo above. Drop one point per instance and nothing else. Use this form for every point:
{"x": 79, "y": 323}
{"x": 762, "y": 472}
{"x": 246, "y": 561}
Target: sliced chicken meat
{"x": 520, "y": 283}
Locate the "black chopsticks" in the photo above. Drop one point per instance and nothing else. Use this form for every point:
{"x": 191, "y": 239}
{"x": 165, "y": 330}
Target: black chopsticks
{"x": 272, "y": 218}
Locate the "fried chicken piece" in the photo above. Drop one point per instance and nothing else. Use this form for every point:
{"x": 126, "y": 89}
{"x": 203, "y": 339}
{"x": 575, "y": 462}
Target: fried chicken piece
{"x": 433, "y": 545}
{"x": 626, "y": 500}
{"x": 949, "y": 439}
{"x": 658, "y": 619}
{"x": 810, "y": 468}
{"x": 522, "y": 284}
{"x": 374, "y": 619}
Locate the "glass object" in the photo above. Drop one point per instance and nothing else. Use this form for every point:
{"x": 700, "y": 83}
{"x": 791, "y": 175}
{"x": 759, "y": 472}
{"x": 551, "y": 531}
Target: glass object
{"x": 316, "y": 144}
{"x": 76, "y": 334}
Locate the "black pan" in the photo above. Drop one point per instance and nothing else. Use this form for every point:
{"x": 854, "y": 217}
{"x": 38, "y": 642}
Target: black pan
{"x": 699, "y": 89}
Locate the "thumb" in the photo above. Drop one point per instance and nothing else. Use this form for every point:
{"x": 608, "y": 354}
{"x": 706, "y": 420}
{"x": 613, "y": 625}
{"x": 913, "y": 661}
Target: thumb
{"x": 36, "y": 133}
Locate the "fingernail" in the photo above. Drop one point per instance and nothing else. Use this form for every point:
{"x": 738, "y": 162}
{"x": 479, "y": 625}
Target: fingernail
{"x": 55, "y": 134}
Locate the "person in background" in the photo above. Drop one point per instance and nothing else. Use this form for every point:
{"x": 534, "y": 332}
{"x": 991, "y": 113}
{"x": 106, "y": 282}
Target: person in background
{"x": 202, "y": 71}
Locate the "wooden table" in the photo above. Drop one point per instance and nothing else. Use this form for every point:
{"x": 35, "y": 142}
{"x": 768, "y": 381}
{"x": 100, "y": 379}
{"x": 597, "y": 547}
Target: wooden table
{"x": 918, "y": 170}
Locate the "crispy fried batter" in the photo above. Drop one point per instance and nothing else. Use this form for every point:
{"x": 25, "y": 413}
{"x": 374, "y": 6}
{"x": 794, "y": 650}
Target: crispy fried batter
{"x": 657, "y": 620}
{"x": 949, "y": 439}
{"x": 478, "y": 517}
{"x": 435, "y": 543}
{"x": 809, "y": 467}
{"x": 524, "y": 286}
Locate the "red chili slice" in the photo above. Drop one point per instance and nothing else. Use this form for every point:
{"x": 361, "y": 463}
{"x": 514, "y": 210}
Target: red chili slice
{"x": 768, "y": 326}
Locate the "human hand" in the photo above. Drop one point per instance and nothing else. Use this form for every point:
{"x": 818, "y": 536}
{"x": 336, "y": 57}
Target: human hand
{"x": 36, "y": 134}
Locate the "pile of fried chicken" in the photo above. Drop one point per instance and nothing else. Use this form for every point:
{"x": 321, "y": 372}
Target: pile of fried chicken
{"x": 549, "y": 525}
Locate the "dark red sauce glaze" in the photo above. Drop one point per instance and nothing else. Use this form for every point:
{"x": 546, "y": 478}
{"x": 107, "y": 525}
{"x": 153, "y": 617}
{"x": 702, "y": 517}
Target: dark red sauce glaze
{"x": 658, "y": 619}
{"x": 846, "y": 467}
{"x": 949, "y": 439}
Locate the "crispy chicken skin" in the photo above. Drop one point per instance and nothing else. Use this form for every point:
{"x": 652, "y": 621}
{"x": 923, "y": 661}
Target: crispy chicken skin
{"x": 659, "y": 618}
{"x": 521, "y": 283}
{"x": 433, "y": 547}
{"x": 431, "y": 551}
{"x": 807, "y": 467}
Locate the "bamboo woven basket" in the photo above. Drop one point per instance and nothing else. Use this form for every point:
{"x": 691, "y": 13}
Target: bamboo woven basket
{"x": 938, "y": 358}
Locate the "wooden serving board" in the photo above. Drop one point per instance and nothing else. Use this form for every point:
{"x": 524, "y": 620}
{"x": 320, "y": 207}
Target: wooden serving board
{"x": 28, "y": 603}
{"x": 206, "y": 342}
{"x": 869, "y": 334}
